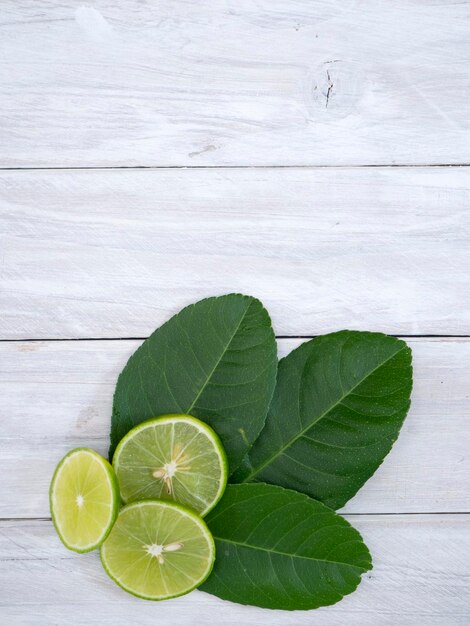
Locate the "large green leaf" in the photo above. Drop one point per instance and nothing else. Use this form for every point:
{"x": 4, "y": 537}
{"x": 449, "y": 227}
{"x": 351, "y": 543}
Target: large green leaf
{"x": 338, "y": 406}
{"x": 215, "y": 360}
{"x": 280, "y": 549}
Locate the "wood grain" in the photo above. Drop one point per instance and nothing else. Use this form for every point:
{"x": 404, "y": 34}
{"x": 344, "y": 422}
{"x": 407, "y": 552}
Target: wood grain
{"x": 420, "y": 576}
{"x": 116, "y": 253}
{"x": 250, "y": 82}
{"x": 57, "y": 396}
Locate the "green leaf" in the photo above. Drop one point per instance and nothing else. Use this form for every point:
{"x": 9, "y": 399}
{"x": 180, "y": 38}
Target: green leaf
{"x": 215, "y": 360}
{"x": 280, "y": 549}
{"x": 338, "y": 406}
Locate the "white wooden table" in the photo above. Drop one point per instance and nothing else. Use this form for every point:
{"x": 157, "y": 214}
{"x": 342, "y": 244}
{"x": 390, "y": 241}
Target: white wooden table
{"x": 313, "y": 153}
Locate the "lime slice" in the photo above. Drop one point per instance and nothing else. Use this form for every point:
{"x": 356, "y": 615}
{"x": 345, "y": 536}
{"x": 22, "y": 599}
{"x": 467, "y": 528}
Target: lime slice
{"x": 158, "y": 550}
{"x": 84, "y": 499}
{"x": 174, "y": 457}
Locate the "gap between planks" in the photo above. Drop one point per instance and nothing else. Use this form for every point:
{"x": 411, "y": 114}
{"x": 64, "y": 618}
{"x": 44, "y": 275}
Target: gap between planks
{"x": 231, "y": 167}
{"x": 50, "y": 339}
{"x": 346, "y": 514}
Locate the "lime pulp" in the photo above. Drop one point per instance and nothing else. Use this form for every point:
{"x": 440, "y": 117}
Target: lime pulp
{"x": 158, "y": 550}
{"x": 173, "y": 457}
{"x": 84, "y": 499}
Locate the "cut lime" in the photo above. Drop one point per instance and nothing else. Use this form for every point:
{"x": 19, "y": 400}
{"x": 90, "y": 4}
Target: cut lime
{"x": 84, "y": 499}
{"x": 158, "y": 550}
{"x": 174, "y": 457}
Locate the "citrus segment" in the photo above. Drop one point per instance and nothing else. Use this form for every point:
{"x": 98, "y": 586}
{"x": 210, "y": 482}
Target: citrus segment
{"x": 158, "y": 550}
{"x": 84, "y": 499}
{"x": 174, "y": 457}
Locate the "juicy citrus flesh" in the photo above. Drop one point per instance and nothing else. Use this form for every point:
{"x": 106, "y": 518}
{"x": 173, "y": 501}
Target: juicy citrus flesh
{"x": 175, "y": 457}
{"x": 158, "y": 550}
{"x": 84, "y": 499}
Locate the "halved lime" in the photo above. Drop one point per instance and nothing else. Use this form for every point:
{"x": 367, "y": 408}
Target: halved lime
{"x": 158, "y": 550}
{"x": 173, "y": 457}
{"x": 84, "y": 499}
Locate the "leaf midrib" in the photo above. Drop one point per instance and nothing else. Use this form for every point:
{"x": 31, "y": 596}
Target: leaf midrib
{"x": 291, "y": 556}
{"x": 224, "y": 351}
{"x": 301, "y": 433}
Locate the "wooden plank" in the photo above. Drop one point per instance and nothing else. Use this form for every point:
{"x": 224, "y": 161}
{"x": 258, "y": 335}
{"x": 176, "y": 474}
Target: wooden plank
{"x": 421, "y": 572}
{"x": 57, "y": 396}
{"x": 234, "y": 83}
{"x": 115, "y": 253}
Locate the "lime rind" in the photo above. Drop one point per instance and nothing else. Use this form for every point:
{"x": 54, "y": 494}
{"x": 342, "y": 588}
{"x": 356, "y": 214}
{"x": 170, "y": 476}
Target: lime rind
{"x": 115, "y": 497}
{"x": 176, "y": 418}
{"x": 191, "y": 515}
